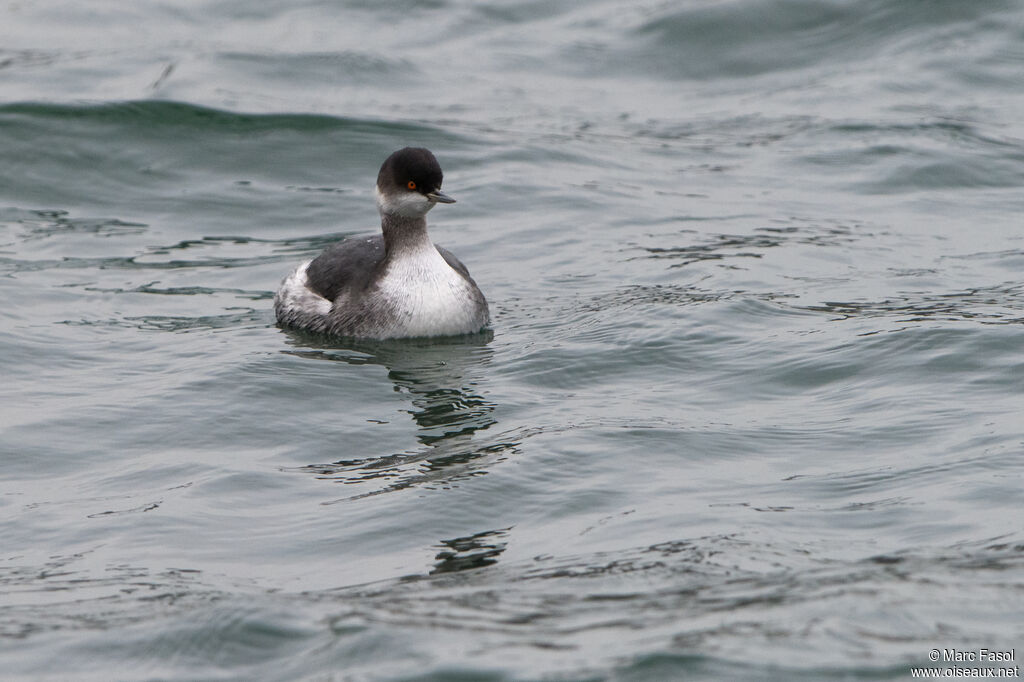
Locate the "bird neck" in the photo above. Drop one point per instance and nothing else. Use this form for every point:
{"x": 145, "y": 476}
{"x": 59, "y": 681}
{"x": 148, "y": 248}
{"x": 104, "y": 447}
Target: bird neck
{"x": 403, "y": 234}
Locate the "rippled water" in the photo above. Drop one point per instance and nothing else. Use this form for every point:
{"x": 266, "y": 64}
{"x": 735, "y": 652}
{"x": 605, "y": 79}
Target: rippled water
{"x": 752, "y": 403}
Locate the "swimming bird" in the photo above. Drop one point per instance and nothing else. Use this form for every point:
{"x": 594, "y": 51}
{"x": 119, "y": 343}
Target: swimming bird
{"x": 393, "y": 285}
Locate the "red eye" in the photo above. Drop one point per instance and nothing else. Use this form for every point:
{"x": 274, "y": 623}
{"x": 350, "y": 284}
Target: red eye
{"x": 411, "y": 184}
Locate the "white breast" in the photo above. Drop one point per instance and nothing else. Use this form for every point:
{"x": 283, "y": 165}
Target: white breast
{"x": 429, "y": 297}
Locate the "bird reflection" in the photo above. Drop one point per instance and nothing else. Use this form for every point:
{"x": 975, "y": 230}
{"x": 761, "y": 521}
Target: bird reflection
{"x": 441, "y": 378}
{"x": 473, "y": 551}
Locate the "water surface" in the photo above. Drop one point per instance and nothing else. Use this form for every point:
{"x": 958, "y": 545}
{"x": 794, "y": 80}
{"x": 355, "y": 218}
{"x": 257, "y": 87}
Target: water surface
{"x": 750, "y": 406}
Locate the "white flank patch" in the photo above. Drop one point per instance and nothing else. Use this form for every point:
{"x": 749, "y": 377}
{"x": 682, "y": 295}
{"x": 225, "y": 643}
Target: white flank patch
{"x": 295, "y": 297}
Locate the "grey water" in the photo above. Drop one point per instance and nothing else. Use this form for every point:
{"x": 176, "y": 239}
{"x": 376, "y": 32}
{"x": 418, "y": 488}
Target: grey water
{"x": 752, "y": 403}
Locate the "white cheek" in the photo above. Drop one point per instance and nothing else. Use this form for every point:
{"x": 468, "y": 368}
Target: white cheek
{"x": 406, "y": 204}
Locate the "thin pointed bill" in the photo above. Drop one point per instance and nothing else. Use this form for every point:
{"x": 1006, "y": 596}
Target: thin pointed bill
{"x": 440, "y": 197}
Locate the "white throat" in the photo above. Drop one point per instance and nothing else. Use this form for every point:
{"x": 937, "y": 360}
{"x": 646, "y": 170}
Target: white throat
{"x": 403, "y": 204}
